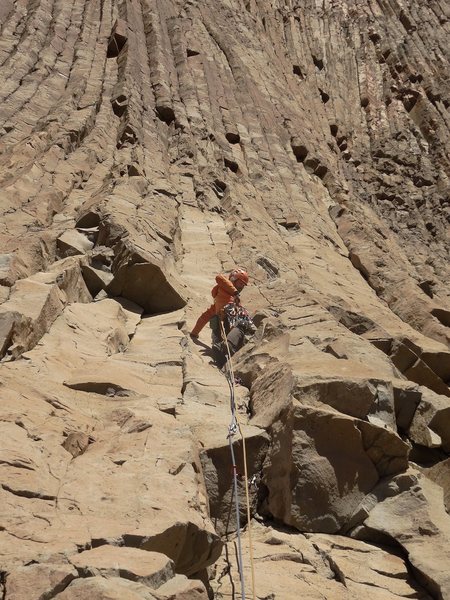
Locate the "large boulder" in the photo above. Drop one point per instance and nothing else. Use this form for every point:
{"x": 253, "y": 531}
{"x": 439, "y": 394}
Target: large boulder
{"x": 321, "y": 464}
{"x": 333, "y": 435}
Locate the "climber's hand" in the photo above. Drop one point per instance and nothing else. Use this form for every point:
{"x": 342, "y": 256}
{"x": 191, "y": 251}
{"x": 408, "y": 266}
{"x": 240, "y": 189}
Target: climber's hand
{"x": 237, "y": 299}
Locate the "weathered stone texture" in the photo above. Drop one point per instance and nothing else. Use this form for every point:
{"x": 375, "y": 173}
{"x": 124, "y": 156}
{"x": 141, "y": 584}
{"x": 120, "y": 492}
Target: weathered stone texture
{"x": 144, "y": 148}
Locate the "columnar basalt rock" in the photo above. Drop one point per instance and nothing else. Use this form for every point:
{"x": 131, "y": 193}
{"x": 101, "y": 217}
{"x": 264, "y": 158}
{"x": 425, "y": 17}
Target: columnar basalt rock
{"x": 147, "y": 146}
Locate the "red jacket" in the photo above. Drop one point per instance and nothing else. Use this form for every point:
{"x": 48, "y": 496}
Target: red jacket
{"x": 223, "y": 293}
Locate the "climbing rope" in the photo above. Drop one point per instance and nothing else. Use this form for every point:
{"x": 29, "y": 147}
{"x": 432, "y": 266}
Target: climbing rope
{"x": 233, "y": 428}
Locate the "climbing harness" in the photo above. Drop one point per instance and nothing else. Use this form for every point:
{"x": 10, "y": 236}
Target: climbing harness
{"x": 238, "y": 316}
{"x": 233, "y": 428}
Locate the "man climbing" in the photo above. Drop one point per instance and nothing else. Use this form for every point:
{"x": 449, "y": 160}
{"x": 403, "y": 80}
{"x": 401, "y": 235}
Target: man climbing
{"x": 227, "y": 290}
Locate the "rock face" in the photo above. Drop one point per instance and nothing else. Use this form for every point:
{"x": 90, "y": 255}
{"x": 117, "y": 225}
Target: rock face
{"x": 146, "y": 147}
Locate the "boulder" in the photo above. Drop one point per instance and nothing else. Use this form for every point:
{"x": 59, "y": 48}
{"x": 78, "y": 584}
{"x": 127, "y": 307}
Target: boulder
{"x": 321, "y": 464}
{"x": 126, "y": 510}
{"x": 421, "y": 373}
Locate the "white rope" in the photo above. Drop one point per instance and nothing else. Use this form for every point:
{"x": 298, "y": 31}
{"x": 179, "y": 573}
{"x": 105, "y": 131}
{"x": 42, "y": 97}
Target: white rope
{"x": 234, "y": 426}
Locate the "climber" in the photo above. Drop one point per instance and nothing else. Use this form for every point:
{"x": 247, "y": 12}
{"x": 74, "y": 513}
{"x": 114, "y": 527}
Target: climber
{"x": 227, "y": 290}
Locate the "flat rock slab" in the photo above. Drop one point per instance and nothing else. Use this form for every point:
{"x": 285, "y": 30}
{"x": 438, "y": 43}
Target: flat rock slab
{"x": 150, "y": 568}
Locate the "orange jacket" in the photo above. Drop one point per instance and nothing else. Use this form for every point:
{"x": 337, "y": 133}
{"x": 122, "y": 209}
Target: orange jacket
{"x": 223, "y": 293}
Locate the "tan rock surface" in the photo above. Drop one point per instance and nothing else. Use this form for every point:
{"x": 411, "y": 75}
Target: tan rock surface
{"x": 290, "y": 566}
{"x": 38, "y": 581}
{"x": 440, "y": 474}
{"x": 113, "y": 588}
{"x": 146, "y": 147}
{"x": 411, "y": 511}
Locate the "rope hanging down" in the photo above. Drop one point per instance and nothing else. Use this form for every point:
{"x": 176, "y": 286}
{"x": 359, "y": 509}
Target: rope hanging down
{"x": 233, "y": 428}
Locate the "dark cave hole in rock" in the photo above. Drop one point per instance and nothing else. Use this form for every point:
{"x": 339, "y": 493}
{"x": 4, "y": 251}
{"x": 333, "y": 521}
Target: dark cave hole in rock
{"x": 114, "y": 47}
{"x": 232, "y": 165}
{"x": 128, "y": 138}
{"x": 333, "y": 129}
{"x": 119, "y": 105}
{"x": 300, "y": 152}
{"x": 88, "y": 220}
{"x": 321, "y": 171}
{"x": 431, "y": 227}
{"x": 297, "y": 71}
{"x": 325, "y": 97}
{"x": 290, "y": 223}
{"x": 364, "y": 101}
{"x": 191, "y": 52}
{"x": 118, "y": 39}
{"x": 442, "y": 315}
{"x": 318, "y": 63}
{"x": 427, "y": 287}
{"x": 219, "y": 187}
{"x": 409, "y": 99}
{"x": 232, "y": 137}
{"x": 220, "y": 184}
{"x": 415, "y": 78}
{"x": 311, "y": 164}
{"x": 165, "y": 114}
{"x": 133, "y": 171}
{"x": 405, "y": 21}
